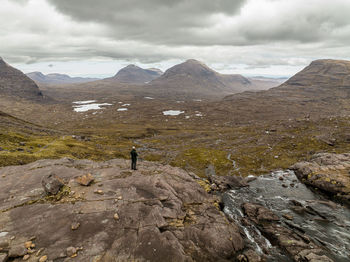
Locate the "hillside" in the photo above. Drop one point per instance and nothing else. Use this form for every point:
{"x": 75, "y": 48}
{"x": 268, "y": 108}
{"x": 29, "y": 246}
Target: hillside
{"x": 321, "y": 89}
{"x": 322, "y": 73}
{"x": 136, "y": 75}
{"x": 57, "y": 78}
{"x": 196, "y": 80}
{"x": 16, "y": 84}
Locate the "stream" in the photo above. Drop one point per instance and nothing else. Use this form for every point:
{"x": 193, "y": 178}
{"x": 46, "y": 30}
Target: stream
{"x": 327, "y": 223}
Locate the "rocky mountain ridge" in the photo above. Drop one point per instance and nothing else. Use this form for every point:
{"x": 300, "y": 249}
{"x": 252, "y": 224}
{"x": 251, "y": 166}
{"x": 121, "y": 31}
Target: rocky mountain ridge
{"x": 319, "y": 90}
{"x": 322, "y": 73}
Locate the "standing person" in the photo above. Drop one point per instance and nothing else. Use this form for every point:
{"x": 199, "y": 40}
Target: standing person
{"x": 134, "y": 155}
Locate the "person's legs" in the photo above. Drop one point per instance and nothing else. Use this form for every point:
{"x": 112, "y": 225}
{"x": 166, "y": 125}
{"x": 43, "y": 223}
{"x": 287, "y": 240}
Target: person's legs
{"x": 133, "y": 164}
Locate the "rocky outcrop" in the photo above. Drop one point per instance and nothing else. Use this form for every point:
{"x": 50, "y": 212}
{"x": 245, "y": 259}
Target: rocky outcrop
{"x": 52, "y": 184}
{"x": 157, "y": 213}
{"x": 223, "y": 183}
{"x": 327, "y": 172}
{"x": 296, "y": 244}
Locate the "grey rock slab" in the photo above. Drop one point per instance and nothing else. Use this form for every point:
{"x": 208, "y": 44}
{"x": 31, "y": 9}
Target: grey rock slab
{"x": 164, "y": 214}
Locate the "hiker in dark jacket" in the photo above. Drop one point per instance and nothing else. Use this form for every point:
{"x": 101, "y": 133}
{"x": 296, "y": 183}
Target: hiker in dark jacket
{"x": 134, "y": 155}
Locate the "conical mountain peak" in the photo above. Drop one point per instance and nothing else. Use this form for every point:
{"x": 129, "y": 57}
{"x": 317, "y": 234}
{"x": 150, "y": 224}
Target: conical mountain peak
{"x": 136, "y": 75}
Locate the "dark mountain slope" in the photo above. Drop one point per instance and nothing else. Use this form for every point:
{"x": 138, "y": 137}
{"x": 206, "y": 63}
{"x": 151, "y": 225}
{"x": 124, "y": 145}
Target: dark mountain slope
{"x": 16, "y": 84}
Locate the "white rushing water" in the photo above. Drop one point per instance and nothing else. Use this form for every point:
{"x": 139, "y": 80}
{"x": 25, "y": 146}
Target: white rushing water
{"x": 326, "y": 224}
{"x": 173, "y": 112}
{"x": 122, "y": 109}
{"x": 2, "y": 234}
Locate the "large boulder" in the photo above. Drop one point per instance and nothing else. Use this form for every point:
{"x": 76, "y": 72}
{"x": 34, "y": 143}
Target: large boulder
{"x": 3, "y": 257}
{"x": 157, "y": 213}
{"x": 52, "y": 184}
{"x": 327, "y": 172}
{"x": 223, "y": 183}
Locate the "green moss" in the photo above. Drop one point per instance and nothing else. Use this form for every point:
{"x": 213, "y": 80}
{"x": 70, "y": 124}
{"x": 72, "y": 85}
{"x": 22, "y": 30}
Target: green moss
{"x": 53, "y": 147}
{"x": 205, "y": 184}
{"x": 153, "y": 157}
{"x": 197, "y": 159}
{"x": 190, "y": 146}
{"x": 65, "y": 191}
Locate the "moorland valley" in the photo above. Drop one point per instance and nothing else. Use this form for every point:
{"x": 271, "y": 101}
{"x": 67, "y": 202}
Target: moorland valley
{"x": 209, "y": 144}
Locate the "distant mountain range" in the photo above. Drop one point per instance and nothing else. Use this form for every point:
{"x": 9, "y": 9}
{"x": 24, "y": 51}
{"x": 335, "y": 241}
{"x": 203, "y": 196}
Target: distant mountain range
{"x": 16, "y": 84}
{"x": 57, "y": 78}
{"x": 186, "y": 81}
{"x": 327, "y": 80}
{"x": 133, "y": 74}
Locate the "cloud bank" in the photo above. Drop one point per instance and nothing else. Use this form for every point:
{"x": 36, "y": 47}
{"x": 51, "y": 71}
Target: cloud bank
{"x": 226, "y": 33}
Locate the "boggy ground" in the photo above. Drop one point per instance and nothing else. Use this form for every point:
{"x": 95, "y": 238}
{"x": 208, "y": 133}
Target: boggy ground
{"x": 233, "y": 143}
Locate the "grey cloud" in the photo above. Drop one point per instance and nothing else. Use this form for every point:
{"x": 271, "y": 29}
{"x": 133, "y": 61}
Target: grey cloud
{"x": 155, "y": 21}
{"x": 255, "y": 33}
{"x": 183, "y": 22}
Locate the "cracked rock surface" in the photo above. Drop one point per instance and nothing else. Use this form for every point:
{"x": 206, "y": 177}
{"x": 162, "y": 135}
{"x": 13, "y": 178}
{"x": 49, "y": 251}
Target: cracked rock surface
{"x": 327, "y": 172}
{"x": 163, "y": 213}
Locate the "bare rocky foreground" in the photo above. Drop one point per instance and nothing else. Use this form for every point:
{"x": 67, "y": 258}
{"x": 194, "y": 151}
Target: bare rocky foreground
{"x": 105, "y": 212}
{"x": 158, "y": 213}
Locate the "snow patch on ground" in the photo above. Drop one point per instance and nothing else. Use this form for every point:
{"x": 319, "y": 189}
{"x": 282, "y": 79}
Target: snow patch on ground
{"x": 83, "y": 106}
{"x": 173, "y": 112}
{"x": 84, "y": 102}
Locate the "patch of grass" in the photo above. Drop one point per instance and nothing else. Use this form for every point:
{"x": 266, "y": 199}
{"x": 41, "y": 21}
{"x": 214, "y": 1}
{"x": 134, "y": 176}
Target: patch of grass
{"x": 53, "y": 147}
{"x": 197, "y": 159}
{"x": 205, "y": 184}
{"x": 257, "y": 148}
{"x": 153, "y": 157}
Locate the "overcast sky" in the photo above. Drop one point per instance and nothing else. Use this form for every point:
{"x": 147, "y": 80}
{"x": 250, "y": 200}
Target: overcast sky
{"x": 98, "y": 37}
